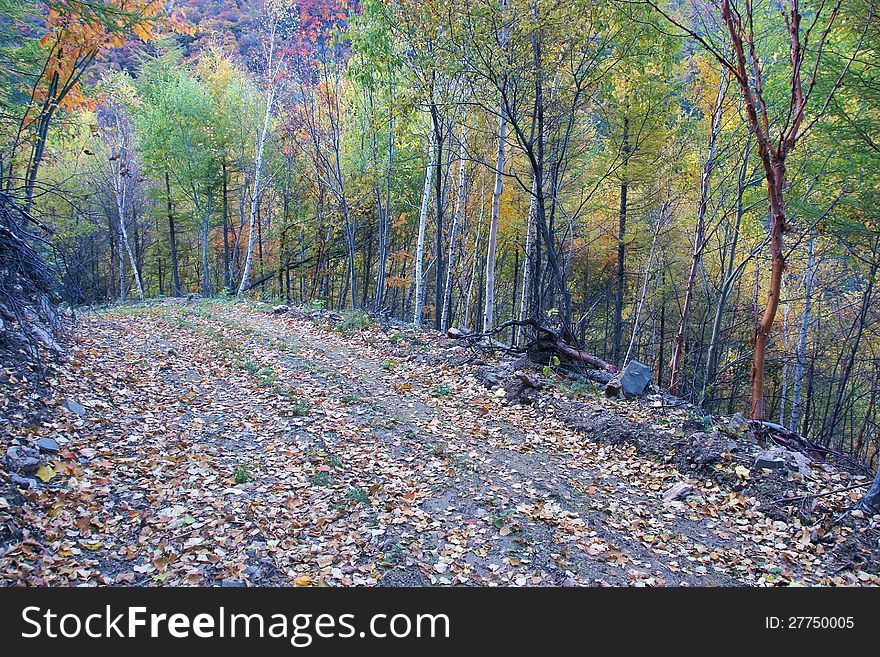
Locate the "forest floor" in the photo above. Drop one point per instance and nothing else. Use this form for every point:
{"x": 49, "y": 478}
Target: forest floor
{"x": 212, "y": 443}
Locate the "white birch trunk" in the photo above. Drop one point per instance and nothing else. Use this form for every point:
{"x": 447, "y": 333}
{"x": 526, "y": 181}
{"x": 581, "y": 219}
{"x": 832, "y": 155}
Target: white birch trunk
{"x": 489, "y": 308}
{"x": 476, "y": 259}
{"x": 644, "y": 292}
{"x": 456, "y": 221}
{"x": 258, "y": 166}
{"x": 423, "y": 221}
{"x": 527, "y": 269}
{"x": 121, "y": 193}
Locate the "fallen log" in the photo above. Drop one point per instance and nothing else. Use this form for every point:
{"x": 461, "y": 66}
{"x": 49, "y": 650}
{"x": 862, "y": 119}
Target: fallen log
{"x": 551, "y": 342}
{"x": 563, "y": 349}
{"x": 548, "y": 342}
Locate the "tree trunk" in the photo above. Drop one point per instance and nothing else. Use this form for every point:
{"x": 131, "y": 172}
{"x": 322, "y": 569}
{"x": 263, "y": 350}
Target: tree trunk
{"x": 131, "y": 258}
{"x": 783, "y": 393}
{"x": 699, "y": 236}
{"x": 527, "y": 259}
{"x": 438, "y": 187}
{"x": 794, "y": 420}
{"x": 621, "y": 251}
{"x": 423, "y": 220}
{"x": 644, "y": 292}
{"x": 227, "y": 280}
{"x": 456, "y": 222}
{"x": 846, "y": 371}
{"x": 489, "y": 308}
{"x": 175, "y": 274}
{"x": 777, "y": 266}
{"x": 476, "y": 257}
{"x": 730, "y": 277}
{"x": 258, "y": 171}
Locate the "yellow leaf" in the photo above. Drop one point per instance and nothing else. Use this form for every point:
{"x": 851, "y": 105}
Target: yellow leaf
{"x": 305, "y": 580}
{"x": 45, "y": 473}
{"x": 742, "y": 472}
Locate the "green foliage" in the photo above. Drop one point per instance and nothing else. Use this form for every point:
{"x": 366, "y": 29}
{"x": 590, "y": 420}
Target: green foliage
{"x": 354, "y": 321}
{"x": 357, "y": 495}
{"x": 549, "y": 367}
{"x": 242, "y": 474}
{"x": 298, "y": 408}
{"x": 321, "y": 478}
{"x": 441, "y": 390}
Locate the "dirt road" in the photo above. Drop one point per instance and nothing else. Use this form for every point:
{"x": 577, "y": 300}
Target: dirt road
{"x": 222, "y": 445}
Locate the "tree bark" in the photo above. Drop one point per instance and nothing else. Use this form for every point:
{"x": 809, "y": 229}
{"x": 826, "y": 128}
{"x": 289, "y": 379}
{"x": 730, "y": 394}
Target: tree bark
{"x": 423, "y": 221}
{"x": 258, "y": 166}
{"x": 699, "y": 236}
{"x": 438, "y": 187}
{"x": 453, "y": 236}
{"x": 175, "y": 273}
{"x": 227, "y": 281}
{"x": 621, "y": 250}
{"x": 489, "y": 308}
{"x": 794, "y": 420}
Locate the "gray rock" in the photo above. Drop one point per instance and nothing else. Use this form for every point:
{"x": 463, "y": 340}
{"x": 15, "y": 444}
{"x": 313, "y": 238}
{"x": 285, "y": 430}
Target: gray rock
{"x": 677, "y": 491}
{"x": 24, "y": 482}
{"x": 603, "y": 427}
{"x": 47, "y": 445}
{"x": 802, "y": 463}
{"x": 736, "y": 425}
{"x": 23, "y": 460}
{"x": 772, "y": 459}
{"x": 488, "y": 376}
{"x": 632, "y": 382}
{"x": 74, "y": 407}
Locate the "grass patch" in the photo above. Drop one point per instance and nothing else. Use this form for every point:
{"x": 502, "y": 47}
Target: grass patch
{"x": 353, "y": 321}
{"x": 321, "y": 479}
{"x": 298, "y": 408}
{"x": 441, "y": 390}
{"x": 357, "y": 495}
{"x": 242, "y": 474}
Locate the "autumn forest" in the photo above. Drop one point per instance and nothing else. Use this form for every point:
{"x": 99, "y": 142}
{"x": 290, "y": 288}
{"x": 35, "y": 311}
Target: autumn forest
{"x": 689, "y": 184}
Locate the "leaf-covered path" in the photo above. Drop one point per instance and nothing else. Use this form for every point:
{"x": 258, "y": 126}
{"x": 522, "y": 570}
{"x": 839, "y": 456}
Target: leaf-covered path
{"x": 221, "y": 445}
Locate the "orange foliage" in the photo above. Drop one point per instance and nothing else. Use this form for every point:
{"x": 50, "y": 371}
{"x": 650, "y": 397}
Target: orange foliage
{"x": 77, "y": 33}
